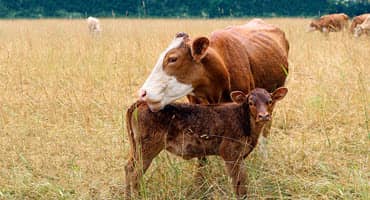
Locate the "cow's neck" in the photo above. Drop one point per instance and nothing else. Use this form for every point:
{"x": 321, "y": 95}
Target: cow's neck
{"x": 218, "y": 79}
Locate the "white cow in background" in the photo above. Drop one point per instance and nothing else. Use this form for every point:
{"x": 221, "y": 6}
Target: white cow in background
{"x": 363, "y": 28}
{"x": 93, "y": 25}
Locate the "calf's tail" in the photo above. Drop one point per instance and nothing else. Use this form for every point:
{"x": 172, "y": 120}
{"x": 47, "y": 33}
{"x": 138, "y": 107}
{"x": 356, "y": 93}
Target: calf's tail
{"x": 132, "y": 110}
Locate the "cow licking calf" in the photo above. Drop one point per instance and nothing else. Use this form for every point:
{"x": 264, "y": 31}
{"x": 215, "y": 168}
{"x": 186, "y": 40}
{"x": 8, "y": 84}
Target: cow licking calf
{"x": 229, "y": 130}
{"x": 207, "y": 68}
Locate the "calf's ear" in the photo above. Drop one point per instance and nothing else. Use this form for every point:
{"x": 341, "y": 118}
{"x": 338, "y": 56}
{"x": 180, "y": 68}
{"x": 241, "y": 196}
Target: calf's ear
{"x": 238, "y": 96}
{"x": 279, "y": 93}
{"x": 199, "y": 48}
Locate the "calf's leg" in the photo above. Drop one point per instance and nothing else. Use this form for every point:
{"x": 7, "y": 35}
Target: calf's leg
{"x": 237, "y": 173}
{"x": 138, "y": 164}
{"x": 134, "y": 172}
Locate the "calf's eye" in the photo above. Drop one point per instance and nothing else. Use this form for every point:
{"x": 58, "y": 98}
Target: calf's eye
{"x": 269, "y": 102}
{"x": 251, "y": 103}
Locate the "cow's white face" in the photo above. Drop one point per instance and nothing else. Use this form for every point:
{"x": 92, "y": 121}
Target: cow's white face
{"x": 177, "y": 71}
{"x": 160, "y": 89}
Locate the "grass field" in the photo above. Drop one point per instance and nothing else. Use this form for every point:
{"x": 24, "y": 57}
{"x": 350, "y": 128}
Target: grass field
{"x": 63, "y": 95}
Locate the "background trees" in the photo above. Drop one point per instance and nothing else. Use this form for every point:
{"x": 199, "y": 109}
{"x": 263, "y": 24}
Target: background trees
{"x": 178, "y": 8}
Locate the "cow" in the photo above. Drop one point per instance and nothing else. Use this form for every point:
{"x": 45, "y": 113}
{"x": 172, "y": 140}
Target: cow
{"x": 358, "y": 20}
{"x": 229, "y": 130}
{"x": 329, "y": 23}
{"x": 93, "y": 24}
{"x": 363, "y": 28}
{"x": 207, "y": 69}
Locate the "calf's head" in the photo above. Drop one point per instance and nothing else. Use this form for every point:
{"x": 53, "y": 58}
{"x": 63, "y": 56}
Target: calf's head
{"x": 260, "y": 102}
{"x": 176, "y": 73}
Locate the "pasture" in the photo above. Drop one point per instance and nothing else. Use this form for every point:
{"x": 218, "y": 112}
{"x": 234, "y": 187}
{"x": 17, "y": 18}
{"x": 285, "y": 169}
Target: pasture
{"x": 64, "y": 94}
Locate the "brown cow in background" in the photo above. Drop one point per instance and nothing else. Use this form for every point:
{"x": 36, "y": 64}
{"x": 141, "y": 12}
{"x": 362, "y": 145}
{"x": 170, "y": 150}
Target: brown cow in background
{"x": 363, "y": 28}
{"x": 358, "y": 20}
{"x": 329, "y": 23}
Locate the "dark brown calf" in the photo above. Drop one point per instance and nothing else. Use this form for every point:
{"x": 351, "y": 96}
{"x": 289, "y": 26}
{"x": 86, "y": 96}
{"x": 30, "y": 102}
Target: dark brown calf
{"x": 229, "y": 130}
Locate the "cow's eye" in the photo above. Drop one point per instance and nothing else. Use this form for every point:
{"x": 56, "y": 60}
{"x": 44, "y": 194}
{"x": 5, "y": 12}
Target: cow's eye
{"x": 269, "y": 102}
{"x": 172, "y": 59}
{"x": 251, "y": 103}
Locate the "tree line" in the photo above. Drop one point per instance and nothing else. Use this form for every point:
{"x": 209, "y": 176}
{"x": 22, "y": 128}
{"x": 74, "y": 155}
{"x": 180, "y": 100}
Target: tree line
{"x": 178, "y": 8}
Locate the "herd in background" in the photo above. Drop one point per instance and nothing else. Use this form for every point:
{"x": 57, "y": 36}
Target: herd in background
{"x": 337, "y": 22}
{"x": 325, "y": 24}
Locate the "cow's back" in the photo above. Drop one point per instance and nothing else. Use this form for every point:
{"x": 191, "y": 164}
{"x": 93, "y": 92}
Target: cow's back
{"x": 261, "y": 50}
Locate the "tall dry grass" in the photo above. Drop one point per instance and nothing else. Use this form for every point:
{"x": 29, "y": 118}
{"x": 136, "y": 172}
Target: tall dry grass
{"x": 63, "y": 94}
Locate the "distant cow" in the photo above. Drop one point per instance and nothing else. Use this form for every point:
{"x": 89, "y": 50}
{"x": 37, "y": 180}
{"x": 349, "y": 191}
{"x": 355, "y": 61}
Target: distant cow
{"x": 357, "y": 21}
{"x": 329, "y": 23}
{"x": 229, "y": 130}
{"x": 363, "y": 28}
{"x": 207, "y": 69}
{"x": 93, "y": 24}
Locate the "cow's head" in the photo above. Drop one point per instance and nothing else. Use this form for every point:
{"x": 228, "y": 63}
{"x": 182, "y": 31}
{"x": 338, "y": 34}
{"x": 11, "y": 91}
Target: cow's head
{"x": 313, "y": 26}
{"x": 260, "y": 102}
{"x": 175, "y": 72}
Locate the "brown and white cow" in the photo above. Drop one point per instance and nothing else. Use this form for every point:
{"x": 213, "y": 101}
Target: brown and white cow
{"x": 357, "y": 21}
{"x": 363, "y": 28}
{"x": 329, "y": 23}
{"x": 207, "y": 69}
{"x": 229, "y": 130}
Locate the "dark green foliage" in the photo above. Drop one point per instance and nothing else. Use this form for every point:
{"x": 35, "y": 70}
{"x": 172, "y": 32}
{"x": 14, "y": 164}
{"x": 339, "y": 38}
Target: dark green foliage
{"x": 178, "y": 8}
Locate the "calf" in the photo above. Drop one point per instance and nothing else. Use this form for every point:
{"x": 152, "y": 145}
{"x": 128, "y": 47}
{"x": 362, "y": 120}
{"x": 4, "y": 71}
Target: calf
{"x": 363, "y": 28}
{"x": 229, "y": 130}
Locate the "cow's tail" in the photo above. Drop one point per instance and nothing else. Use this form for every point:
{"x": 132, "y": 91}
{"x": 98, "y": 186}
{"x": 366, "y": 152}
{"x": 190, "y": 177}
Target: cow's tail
{"x": 132, "y": 112}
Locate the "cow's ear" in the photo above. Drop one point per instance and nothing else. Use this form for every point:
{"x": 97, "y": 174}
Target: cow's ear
{"x": 182, "y": 35}
{"x": 199, "y": 48}
{"x": 279, "y": 94}
{"x": 238, "y": 96}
